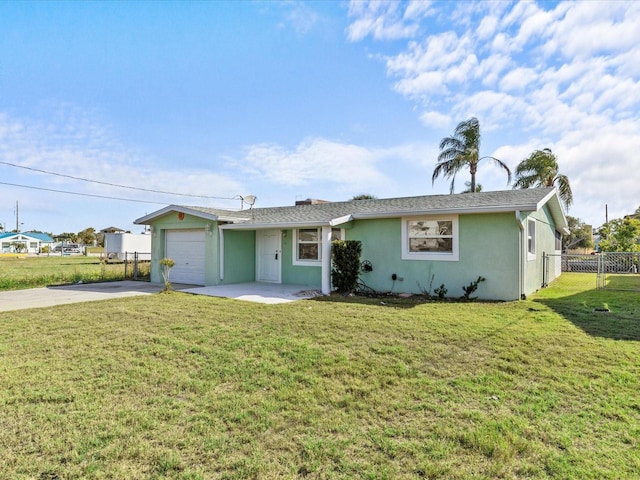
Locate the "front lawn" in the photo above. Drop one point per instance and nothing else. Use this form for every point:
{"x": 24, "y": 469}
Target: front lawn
{"x": 21, "y": 271}
{"x": 191, "y": 387}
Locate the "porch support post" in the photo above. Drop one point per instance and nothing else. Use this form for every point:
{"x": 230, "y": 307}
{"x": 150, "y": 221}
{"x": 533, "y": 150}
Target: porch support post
{"x": 326, "y": 260}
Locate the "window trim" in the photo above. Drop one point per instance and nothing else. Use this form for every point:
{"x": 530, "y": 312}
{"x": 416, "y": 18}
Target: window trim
{"x": 558, "y": 237}
{"x": 454, "y": 256}
{"x": 531, "y": 239}
{"x": 309, "y": 263}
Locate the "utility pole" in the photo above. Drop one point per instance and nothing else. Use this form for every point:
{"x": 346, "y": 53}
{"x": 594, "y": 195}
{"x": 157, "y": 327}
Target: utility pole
{"x": 17, "y": 218}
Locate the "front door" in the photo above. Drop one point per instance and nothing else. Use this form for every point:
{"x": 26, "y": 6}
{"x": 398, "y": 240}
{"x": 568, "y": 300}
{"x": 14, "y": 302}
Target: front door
{"x": 268, "y": 256}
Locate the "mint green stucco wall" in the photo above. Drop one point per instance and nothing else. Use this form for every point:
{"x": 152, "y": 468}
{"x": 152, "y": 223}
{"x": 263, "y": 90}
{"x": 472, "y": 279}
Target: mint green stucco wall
{"x": 488, "y": 247}
{"x": 170, "y": 221}
{"x": 297, "y": 274}
{"x": 545, "y": 243}
{"x": 239, "y": 256}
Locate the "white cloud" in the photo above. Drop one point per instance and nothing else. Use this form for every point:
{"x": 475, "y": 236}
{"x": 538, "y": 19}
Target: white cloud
{"x": 385, "y": 20}
{"x": 315, "y": 160}
{"x": 518, "y": 79}
{"x": 417, "y": 9}
{"x": 487, "y": 27}
{"x": 593, "y": 28}
{"x": 435, "y": 119}
{"x": 301, "y": 17}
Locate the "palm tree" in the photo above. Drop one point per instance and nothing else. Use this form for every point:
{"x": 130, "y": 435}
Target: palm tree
{"x": 461, "y": 150}
{"x": 468, "y": 185}
{"x": 540, "y": 169}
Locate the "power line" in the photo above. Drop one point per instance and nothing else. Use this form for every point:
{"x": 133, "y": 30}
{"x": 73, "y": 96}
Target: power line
{"x": 115, "y": 184}
{"x": 81, "y": 194}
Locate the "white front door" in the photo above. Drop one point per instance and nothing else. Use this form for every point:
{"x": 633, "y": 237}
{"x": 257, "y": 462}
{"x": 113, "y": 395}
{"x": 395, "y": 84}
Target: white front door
{"x": 268, "y": 256}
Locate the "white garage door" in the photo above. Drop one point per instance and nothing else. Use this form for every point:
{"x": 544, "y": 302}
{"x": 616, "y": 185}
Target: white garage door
{"x": 186, "y": 248}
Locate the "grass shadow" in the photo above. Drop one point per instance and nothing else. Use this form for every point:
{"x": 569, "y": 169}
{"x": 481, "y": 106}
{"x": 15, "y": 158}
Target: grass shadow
{"x": 599, "y": 313}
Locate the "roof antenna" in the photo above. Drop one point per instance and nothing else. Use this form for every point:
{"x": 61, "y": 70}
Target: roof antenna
{"x": 249, "y": 199}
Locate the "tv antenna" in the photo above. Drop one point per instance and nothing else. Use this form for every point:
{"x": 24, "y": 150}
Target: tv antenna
{"x": 248, "y": 199}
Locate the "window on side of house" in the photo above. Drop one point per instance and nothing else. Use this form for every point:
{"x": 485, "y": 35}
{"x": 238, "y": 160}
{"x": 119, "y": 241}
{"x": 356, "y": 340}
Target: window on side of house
{"x": 430, "y": 238}
{"x": 558, "y": 241}
{"x": 307, "y": 245}
{"x": 531, "y": 239}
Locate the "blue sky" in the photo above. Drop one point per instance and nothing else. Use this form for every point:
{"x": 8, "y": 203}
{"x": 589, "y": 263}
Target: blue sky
{"x": 294, "y": 100}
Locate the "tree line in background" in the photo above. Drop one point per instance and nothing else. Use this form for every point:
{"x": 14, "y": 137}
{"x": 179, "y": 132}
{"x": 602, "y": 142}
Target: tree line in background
{"x": 621, "y": 234}
{"x": 88, "y": 236}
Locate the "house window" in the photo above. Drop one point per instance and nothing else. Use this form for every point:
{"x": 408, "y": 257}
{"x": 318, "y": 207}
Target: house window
{"x": 531, "y": 239}
{"x": 430, "y": 238}
{"x": 558, "y": 241}
{"x": 308, "y": 245}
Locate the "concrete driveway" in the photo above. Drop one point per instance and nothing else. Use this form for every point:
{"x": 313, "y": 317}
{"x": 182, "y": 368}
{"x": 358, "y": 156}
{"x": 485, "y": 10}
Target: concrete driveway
{"x": 50, "y": 296}
{"x": 268, "y": 293}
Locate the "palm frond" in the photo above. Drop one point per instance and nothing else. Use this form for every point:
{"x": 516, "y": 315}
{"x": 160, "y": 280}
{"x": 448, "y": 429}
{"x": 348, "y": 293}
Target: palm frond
{"x": 564, "y": 190}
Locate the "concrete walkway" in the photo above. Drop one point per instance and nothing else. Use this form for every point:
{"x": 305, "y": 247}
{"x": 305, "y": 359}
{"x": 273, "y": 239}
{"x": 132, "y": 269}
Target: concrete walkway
{"x": 269, "y": 293}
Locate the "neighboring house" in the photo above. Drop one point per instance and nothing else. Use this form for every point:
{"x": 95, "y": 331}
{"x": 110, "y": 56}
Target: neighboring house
{"x": 422, "y": 242}
{"x": 24, "y": 242}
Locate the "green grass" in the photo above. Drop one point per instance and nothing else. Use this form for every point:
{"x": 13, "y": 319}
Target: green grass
{"x": 628, "y": 281}
{"x": 189, "y": 387}
{"x": 17, "y": 272}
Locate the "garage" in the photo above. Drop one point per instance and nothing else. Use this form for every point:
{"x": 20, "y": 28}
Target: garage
{"x": 186, "y": 248}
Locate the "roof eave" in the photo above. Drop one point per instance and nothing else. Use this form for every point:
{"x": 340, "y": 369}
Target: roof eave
{"x": 281, "y": 225}
{"x": 446, "y": 211}
{"x": 148, "y": 219}
{"x": 555, "y": 207}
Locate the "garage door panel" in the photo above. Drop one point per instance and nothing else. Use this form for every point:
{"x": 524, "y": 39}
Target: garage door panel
{"x": 187, "y": 249}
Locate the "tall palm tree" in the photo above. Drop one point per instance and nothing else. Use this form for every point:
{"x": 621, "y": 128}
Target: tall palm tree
{"x": 462, "y": 150}
{"x": 540, "y": 169}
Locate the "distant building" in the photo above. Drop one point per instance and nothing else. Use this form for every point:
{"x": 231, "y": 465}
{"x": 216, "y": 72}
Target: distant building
{"x": 24, "y": 242}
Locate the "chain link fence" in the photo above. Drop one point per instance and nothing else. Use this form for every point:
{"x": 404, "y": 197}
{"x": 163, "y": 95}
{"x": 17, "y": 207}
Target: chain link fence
{"x": 137, "y": 265}
{"x": 618, "y": 271}
{"x": 614, "y": 270}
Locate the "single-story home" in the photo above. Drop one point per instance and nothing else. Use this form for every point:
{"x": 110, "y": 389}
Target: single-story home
{"x": 409, "y": 244}
{"x": 24, "y": 242}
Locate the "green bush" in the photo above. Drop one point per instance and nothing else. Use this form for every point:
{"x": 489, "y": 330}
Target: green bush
{"x": 346, "y": 264}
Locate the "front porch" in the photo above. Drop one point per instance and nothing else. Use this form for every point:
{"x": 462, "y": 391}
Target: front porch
{"x": 259, "y": 292}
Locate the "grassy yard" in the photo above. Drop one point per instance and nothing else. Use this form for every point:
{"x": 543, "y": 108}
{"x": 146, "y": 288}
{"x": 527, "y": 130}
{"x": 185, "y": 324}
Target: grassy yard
{"x": 190, "y": 387}
{"x": 18, "y": 272}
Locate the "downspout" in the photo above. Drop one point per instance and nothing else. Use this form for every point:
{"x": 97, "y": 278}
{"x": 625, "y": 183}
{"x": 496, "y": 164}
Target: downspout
{"x": 521, "y": 264}
{"x": 326, "y": 260}
{"x": 221, "y": 250}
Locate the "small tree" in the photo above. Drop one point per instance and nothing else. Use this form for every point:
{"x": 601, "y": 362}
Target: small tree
{"x": 87, "y": 236}
{"x": 166, "y": 264}
{"x": 364, "y": 196}
{"x": 346, "y": 264}
{"x": 580, "y": 234}
{"x": 620, "y": 235}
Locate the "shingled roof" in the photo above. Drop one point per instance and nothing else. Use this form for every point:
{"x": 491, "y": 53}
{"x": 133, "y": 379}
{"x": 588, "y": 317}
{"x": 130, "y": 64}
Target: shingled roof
{"x": 336, "y": 213}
